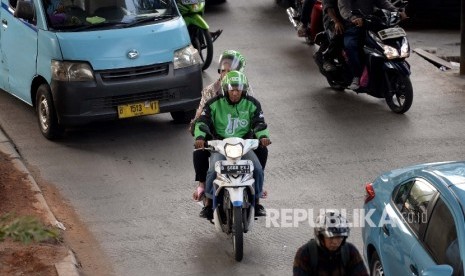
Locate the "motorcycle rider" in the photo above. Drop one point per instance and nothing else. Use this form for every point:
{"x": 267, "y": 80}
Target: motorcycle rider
{"x": 353, "y": 35}
{"x": 233, "y": 113}
{"x": 334, "y": 26}
{"x": 329, "y": 253}
{"x": 305, "y": 17}
{"x": 228, "y": 61}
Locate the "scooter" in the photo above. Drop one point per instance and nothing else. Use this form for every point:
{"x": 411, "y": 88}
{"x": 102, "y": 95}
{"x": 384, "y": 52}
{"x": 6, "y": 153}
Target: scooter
{"x": 316, "y": 23}
{"x": 234, "y": 193}
{"x": 386, "y": 73}
{"x": 201, "y": 38}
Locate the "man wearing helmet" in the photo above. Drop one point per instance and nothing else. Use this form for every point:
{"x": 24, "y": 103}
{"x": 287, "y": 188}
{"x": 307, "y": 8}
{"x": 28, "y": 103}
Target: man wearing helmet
{"x": 233, "y": 113}
{"x": 329, "y": 253}
{"x": 229, "y": 60}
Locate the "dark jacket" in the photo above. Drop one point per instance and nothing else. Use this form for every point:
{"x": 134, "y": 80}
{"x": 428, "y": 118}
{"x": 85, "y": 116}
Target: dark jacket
{"x": 366, "y": 6}
{"x": 329, "y": 263}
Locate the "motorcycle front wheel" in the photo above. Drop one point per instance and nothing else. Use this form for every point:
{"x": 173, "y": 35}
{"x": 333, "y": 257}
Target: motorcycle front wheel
{"x": 400, "y": 98}
{"x": 238, "y": 234}
{"x": 202, "y": 41}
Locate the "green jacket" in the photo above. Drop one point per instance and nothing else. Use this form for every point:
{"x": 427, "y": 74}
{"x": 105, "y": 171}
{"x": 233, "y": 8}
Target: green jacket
{"x": 226, "y": 119}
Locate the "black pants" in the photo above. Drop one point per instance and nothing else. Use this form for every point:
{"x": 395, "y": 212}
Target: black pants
{"x": 307, "y": 7}
{"x": 201, "y": 162}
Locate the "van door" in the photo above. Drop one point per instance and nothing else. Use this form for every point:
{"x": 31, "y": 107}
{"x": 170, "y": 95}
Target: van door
{"x": 19, "y": 52}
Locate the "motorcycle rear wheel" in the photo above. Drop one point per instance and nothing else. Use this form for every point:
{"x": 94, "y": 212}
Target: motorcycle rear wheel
{"x": 238, "y": 234}
{"x": 400, "y": 98}
{"x": 202, "y": 41}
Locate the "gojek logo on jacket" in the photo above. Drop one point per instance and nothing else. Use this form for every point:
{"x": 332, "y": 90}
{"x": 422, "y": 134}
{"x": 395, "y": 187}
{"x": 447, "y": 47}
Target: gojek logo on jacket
{"x": 234, "y": 124}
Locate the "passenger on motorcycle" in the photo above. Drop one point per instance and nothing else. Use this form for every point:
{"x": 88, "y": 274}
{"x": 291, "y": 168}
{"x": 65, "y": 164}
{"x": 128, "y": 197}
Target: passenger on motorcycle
{"x": 233, "y": 113}
{"x": 328, "y": 253}
{"x": 333, "y": 24}
{"x": 353, "y": 35}
{"x": 305, "y": 17}
{"x": 229, "y": 60}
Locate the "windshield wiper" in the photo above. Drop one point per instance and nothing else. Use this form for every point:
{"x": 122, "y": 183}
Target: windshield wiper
{"x": 147, "y": 19}
{"x": 98, "y": 25}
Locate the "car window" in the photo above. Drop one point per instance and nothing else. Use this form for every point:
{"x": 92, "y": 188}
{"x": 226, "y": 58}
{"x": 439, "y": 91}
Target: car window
{"x": 441, "y": 237}
{"x": 414, "y": 208}
{"x": 401, "y": 194}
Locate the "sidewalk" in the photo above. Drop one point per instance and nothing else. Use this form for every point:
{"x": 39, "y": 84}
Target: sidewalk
{"x": 68, "y": 266}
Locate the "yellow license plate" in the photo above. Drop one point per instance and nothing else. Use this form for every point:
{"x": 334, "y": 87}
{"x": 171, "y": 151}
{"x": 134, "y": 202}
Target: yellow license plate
{"x": 138, "y": 109}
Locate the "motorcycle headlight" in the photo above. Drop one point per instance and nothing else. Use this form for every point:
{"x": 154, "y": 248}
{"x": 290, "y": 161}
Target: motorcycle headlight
{"x": 185, "y": 57}
{"x": 405, "y": 49}
{"x": 71, "y": 71}
{"x": 390, "y": 52}
{"x": 233, "y": 151}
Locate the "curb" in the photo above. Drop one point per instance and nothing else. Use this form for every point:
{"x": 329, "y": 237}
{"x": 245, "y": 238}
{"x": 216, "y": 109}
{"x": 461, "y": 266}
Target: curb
{"x": 68, "y": 266}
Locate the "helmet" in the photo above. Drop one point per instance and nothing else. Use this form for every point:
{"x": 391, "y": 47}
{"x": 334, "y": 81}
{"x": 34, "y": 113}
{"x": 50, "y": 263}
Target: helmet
{"x": 331, "y": 224}
{"x": 234, "y": 80}
{"x": 234, "y": 58}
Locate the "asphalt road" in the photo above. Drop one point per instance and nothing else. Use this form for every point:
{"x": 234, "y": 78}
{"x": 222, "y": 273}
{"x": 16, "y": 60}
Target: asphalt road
{"x": 131, "y": 180}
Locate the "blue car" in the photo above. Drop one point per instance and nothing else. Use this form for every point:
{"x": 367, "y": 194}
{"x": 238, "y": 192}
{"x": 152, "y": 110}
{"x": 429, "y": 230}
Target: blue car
{"x": 414, "y": 221}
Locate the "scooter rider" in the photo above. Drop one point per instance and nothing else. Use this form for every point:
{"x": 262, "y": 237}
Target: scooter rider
{"x": 228, "y": 61}
{"x": 353, "y": 35}
{"x": 232, "y": 114}
{"x": 329, "y": 253}
{"x": 333, "y": 24}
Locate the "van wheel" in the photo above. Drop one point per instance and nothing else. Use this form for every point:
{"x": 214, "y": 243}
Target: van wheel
{"x": 183, "y": 117}
{"x": 46, "y": 114}
{"x": 376, "y": 267}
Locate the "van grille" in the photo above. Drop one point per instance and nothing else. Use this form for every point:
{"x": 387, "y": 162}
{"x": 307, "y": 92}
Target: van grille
{"x": 114, "y": 101}
{"x": 135, "y": 72}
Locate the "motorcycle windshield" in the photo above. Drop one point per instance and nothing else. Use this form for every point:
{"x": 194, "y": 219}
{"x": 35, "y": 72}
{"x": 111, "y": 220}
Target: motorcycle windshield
{"x": 88, "y": 14}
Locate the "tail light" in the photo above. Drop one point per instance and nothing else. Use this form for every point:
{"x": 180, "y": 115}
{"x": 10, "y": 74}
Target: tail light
{"x": 370, "y": 192}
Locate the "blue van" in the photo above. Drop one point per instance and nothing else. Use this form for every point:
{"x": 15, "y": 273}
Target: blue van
{"x": 79, "y": 61}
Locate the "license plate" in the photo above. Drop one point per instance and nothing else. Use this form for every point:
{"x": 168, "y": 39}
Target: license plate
{"x": 138, "y": 109}
{"x": 391, "y": 33}
{"x": 235, "y": 169}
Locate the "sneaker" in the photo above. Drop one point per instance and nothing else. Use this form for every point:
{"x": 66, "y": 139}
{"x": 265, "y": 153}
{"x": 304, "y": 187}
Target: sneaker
{"x": 355, "y": 84}
{"x": 260, "y": 210}
{"x": 207, "y": 212}
{"x": 302, "y": 31}
{"x": 328, "y": 66}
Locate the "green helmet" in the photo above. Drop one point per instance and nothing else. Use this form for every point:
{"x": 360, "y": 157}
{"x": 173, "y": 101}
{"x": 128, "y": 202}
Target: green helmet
{"x": 234, "y": 80}
{"x": 234, "y": 58}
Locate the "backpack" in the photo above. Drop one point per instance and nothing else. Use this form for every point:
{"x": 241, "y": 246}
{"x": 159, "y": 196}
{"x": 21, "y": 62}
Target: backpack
{"x": 313, "y": 250}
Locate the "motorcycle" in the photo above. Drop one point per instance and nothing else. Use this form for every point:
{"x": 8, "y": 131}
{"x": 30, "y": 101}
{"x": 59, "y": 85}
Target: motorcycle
{"x": 234, "y": 193}
{"x": 201, "y": 38}
{"x": 316, "y": 23}
{"x": 386, "y": 73}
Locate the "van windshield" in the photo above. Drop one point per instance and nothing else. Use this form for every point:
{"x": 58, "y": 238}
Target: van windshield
{"x": 88, "y": 14}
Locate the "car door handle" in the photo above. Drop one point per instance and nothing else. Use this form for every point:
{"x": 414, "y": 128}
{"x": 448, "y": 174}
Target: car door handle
{"x": 414, "y": 269}
{"x": 386, "y": 230}
{"x": 4, "y": 22}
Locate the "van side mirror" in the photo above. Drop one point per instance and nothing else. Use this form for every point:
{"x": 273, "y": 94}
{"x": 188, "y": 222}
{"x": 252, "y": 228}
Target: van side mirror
{"x": 24, "y": 10}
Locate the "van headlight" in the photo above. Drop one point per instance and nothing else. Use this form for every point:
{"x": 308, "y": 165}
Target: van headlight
{"x": 185, "y": 57}
{"x": 71, "y": 71}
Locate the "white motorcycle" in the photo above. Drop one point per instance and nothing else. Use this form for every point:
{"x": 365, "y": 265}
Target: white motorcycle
{"x": 234, "y": 193}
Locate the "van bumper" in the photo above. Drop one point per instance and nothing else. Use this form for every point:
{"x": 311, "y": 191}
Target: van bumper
{"x": 80, "y": 103}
